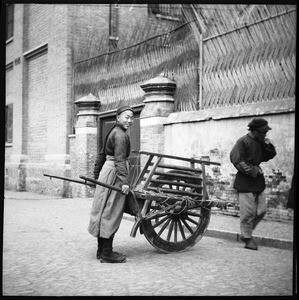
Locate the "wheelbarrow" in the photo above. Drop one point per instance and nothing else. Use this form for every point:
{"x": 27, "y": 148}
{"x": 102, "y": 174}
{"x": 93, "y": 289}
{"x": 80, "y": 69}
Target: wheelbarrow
{"x": 169, "y": 200}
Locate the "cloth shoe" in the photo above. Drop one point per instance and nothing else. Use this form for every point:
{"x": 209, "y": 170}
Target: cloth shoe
{"x": 244, "y": 239}
{"x": 100, "y": 247}
{"x": 250, "y": 244}
{"x": 109, "y": 256}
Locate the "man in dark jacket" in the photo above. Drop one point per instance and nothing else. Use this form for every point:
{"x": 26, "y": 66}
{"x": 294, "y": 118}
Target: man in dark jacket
{"x": 247, "y": 154}
{"x": 108, "y": 205}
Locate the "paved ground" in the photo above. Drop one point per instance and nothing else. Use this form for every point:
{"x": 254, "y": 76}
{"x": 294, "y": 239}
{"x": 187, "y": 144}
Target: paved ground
{"x": 47, "y": 251}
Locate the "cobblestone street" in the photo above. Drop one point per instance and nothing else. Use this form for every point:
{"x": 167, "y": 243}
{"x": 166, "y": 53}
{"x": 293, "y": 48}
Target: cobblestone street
{"x": 47, "y": 251}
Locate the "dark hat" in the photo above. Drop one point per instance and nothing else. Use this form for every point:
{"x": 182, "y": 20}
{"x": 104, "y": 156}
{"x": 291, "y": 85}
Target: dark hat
{"x": 122, "y": 109}
{"x": 260, "y": 124}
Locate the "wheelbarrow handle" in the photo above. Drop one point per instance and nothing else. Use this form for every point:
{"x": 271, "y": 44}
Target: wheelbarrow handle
{"x": 101, "y": 183}
{"x": 69, "y": 179}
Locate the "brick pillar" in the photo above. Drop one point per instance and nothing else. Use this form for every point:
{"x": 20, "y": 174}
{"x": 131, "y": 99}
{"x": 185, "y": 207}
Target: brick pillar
{"x": 18, "y": 170}
{"x": 85, "y": 144}
{"x": 158, "y": 104}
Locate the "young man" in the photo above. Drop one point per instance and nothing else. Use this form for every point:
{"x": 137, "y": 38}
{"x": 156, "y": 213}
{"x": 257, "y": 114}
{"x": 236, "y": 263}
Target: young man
{"x": 247, "y": 154}
{"x": 108, "y": 205}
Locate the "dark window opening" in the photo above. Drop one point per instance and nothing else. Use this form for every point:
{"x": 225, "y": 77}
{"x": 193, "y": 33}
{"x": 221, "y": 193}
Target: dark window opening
{"x": 9, "y": 20}
{"x": 8, "y": 123}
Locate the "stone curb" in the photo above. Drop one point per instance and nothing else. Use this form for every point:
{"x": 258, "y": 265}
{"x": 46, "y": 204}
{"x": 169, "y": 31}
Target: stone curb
{"x": 261, "y": 240}
{"x": 235, "y": 237}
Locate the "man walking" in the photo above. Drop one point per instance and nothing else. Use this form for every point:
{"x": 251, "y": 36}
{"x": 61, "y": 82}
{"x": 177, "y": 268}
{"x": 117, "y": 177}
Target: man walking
{"x": 249, "y": 151}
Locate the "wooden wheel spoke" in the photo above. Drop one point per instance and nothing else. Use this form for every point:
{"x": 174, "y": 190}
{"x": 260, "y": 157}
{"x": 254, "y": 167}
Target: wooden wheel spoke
{"x": 175, "y": 231}
{"x": 170, "y": 230}
{"x": 192, "y": 221}
{"x": 160, "y": 222}
{"x": 181, "y": 229}
{"x": 164, "y": 226}
{"x": 156, "y": 217}
{"x": 192, "y": 213}
{"x": 187, "y": 225}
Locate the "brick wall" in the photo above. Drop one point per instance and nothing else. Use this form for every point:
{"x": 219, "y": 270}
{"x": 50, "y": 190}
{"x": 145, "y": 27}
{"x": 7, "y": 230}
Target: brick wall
{"x": 129, "y": 16}
{"x": 151, "y": 135}
{"x": 41, "y": 97}
{"x": 14, "y": 50}
{"x": 39, "y": 24}
{"x": 84, "y": 151}
{"x": 40, "y": 88}
{"x": 9, "y": 99}
{"x": 90, "y": 27}
{"x": 37, "y": 114}
{"x": 59, "y": 90}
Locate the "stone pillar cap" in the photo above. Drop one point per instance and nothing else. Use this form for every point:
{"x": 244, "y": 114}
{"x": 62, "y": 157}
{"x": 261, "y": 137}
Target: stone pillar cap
{"x": 89, "y": 98}
{"x": 88, "y": 102}
{"x": 160, "y": 79}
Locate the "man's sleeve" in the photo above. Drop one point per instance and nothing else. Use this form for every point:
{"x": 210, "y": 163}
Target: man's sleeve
{"x": 238, "y": 159}
{"x": 120, "y": 159}
{"x": 268, "y": 151}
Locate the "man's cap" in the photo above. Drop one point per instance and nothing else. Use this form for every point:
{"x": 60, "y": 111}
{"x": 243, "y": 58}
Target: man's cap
{"x": 260, "y": 124}
{"x": 122, "y": 109}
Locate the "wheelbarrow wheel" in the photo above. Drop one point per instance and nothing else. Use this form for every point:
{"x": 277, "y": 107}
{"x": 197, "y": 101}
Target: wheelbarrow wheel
{"x": 176, "y": 232}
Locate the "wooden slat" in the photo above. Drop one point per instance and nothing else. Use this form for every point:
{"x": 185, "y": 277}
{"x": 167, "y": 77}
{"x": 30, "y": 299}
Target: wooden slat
{"x": 151, "y": 173}
{"x": 204, "y": 184}
{"x": 182, "y": 184}
{"x": 145, "y": 169}
{"x": 183, "y": 168}
{"x": 177, "y": 175}
{"x": 176, "y": 192}
{"x": 199, "y": 161}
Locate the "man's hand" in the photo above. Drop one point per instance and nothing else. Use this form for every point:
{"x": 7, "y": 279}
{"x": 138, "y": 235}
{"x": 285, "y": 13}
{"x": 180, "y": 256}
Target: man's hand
{"x": 266, "y": 141}
{"x": 125, "y": 189}
{"x": 260, "y": 171}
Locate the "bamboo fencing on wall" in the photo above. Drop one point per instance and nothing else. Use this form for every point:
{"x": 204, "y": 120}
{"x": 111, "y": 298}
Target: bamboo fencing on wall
{"x": 255, "y": 62}
{"x": 116, "y": 77}
{"x": 248, "y": 56}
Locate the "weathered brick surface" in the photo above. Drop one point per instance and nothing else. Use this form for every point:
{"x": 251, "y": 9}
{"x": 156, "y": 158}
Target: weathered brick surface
{"x": 83, "y": 159}
{"x": 38, "y": 24}
{"x": 36, "y": 112}
{"x": 42, "y": 99}
{"x": 151, "y": 138}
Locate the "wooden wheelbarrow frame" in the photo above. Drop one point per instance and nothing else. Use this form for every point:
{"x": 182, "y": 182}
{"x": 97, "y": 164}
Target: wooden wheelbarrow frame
{"x": 176, "y": 201}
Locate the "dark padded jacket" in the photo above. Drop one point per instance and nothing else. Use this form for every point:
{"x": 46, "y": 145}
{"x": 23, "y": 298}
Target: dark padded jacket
{"x": 246, "y": 156}
{"x": 117, "y": 144}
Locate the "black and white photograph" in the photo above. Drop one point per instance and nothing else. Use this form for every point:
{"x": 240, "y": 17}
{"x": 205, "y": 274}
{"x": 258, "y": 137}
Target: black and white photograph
{"x": 149, "y": 149}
